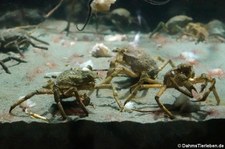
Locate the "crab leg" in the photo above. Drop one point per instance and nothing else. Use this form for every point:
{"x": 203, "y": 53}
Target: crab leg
{"x": 75, "y": 91}
{"x": 212, "y": 88}
{"x": 28, "y": 96}
{"x": 158, "y": 95}
{"x": 141, "y": 85}
{"x": 41, "y": 41}
{"x": 34, "y": 45}
{"x": 34, "y": 115}
{"x": 57, "y": 98}
{"x": 165, "y": 64}
{"x": 203, "y": 78}
{"x": 8, "y": 59}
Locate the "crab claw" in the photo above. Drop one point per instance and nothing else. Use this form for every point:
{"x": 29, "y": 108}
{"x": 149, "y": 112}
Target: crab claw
{"x": 197, "y": 96}
{"x": 190, "y": 86}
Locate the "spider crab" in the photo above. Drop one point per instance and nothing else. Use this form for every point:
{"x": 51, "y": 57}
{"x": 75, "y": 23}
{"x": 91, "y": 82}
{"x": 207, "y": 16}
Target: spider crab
{"x": 133, "y": 63}
{"x": 66, "y": 85}
{"x": 182, "y": 78}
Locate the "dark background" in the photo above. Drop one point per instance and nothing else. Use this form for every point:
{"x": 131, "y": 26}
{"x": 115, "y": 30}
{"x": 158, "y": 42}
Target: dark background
{"x": 200, "y": 10}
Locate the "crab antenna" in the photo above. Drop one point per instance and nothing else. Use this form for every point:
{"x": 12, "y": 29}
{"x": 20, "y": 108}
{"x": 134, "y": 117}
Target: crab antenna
{"x": 155, "y": 2}
{"x": 88, "y": 17}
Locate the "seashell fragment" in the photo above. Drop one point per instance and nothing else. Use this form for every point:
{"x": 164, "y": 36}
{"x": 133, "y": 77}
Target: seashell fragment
{"x": 101, "y": 5}
{"x": 100, "y": 50}
{"x": 130, "y": 105}
{"x": 26, "y": 104}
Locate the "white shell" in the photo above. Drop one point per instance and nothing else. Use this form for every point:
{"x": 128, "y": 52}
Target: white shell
{"x": 100, "y": 50}
{"x": 26, "y": 104}
{"x": 101, "y": 5}
{"x": 130, "y": 105}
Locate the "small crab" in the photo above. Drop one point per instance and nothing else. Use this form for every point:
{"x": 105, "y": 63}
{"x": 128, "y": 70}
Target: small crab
{"x": 182, "y": 78}
{"x": 173, "y": 26}
{"x": 16, "y": 39}
{"x": 197, "y": 31}
{"x": 67, "y": 84}
{"x": 134, "y": 63}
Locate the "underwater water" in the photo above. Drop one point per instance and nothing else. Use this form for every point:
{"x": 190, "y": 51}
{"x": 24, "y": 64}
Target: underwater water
{"x": 37, "y": 44}
{"x": 126, "y": 40}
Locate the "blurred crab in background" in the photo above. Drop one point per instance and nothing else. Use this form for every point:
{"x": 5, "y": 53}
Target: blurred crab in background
{"x": 173, "y": 26}
{"x": 17, "y": 39}
{"x": 67, "y": 84}
{"x": 182, "y": 25}
{"x": 197, "y": 31}
{"x": 133, "y": 63}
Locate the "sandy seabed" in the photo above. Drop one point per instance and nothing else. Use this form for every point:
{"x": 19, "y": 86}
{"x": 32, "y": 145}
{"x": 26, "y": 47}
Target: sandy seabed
{"x": 65, "y": 52}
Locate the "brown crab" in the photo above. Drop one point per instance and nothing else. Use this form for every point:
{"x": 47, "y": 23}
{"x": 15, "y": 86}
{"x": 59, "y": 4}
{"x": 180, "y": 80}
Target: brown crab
{"x": 134, "y": 63}
{"x": 16, "y": 39}
{"x": 67, "y": 84}
{"x": 182, "y": 78}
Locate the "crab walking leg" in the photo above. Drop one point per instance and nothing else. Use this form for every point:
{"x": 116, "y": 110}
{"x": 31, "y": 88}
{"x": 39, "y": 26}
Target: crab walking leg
{"x": 57, "y": 98}
{"x": 34, "y": 115}
{"x": 75, "y": 91}
{"x": 8, "y": 59}
{"x": 36, "y": 46}
{"x": 5, "y": 67}
{"x": 106, "y": 82}
{"x": 120, "y": 70}
{"x": 212, "y": 88}
{"x": 115, "y": 93}
{"x": 160, "y": 26}
{"x": 17, "y": 47}
{"x": 102, "y": 86}
{"x": 158, "y": 95}
{"x": 41, "y": 41}
{"x": 165, "y": 64}
{"x": 144, "y": 86}
{"x": 28, "y": 96}
{"x": 140, "y": 85}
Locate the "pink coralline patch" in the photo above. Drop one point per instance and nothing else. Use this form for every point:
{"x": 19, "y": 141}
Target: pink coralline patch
{"x": 76, "y": 58}
{"x": 86, "y": 38}
{"x": 51, "y": 65}
{"x": 34, "y": 73}
{"x": 213, "y": 113}
{"x": 112, "y": 117}
{"x": 6, "y": 117}
{"x": 57, "y": 38}
{"x": 189, "y": 57}
{"x": 160, "y": 40}
{"x": 63, "y": 41}
{"x": 216, "y": 73}
{"x": 41, "y": 52}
